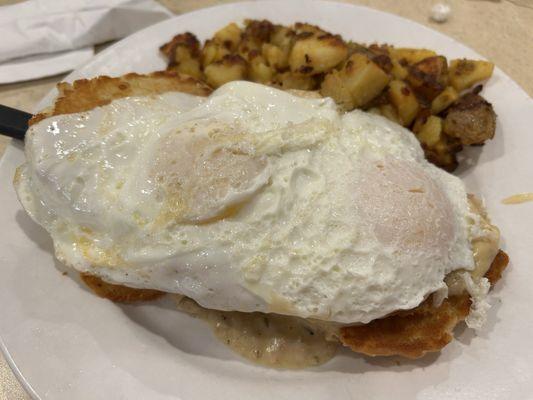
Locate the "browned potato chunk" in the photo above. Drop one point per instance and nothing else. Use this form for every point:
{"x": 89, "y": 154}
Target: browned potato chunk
{"x": 466, "y": 73}
{"x": 191, "y": 67}
{"x": 398, "y": 71}
{"x": 260, "y": 71}
{"x": 444, "y": 100}
{"x": 275, "y": 56}
{"x": 231, "y": 68}
{"x": 334, "y": 86}
{"x": 404, "y": 100}
{"x": 357, "y": 83}
{"x": 429, "y": 77}
{"x": 282, "y": 37}
{"x": 410, "y": 56}
{"x": 288, "y": 80}
{"x": 439, "y": 148}
{"x": 259, "y": 31}
{"x": 229, "y": 36}
{"x": 315, "y": 54}
{"x": 471, "y": 119}
{"x": 390, "y": 112}
{"x": 183, "y": 52}
{"x": 185, "y": 41}
{"x": 430, "y": 132}
{"x": 301, "y": 27}
{"x": 213, "y": 52}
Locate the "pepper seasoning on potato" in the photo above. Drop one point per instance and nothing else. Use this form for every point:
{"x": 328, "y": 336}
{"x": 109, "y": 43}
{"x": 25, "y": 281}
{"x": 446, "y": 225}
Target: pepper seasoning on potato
{"x": 416, "y": 88}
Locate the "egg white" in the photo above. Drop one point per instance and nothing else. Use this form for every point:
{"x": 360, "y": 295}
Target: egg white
{"x": 252, "y": 199}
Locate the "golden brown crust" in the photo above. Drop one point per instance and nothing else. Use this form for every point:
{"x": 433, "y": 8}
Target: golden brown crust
{"x": 119, "y": 293}
{"x": 415, "y": 332}
{"x": 497, "y": 267}
{"x": 411, "y": 333}
{"x": 85, "y": 94}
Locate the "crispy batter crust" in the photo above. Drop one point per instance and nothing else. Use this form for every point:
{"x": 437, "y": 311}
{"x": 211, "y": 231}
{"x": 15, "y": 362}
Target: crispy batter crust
{"x": 416, "y": 332}
{"x": 118, "y": 293}
{"x": 86, "y": 94}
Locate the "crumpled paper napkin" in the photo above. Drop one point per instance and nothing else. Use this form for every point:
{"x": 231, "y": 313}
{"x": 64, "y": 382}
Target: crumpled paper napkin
{"x": 41, "y": 38}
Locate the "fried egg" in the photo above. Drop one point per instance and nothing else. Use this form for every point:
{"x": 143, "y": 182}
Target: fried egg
{"x": 251, "y": 199}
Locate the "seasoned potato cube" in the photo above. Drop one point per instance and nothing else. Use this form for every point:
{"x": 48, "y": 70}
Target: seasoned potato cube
{"x": 439, "y": 148}
{"x": 315, "y": 54}
{"x": 429, "y": 77}
{"x": 383, "y": 61}
{"x": 430, "y": 132}
{"x": 404, "y": 100}
{"x": 398, "y": 71}
{"x": 184, "y": 55}
{"x": 260, "y": 31}
{"x": 288, "y": 80}
{"x": 260, "y": 71}
{"x": 275, "y": 56}
{"x": 444, "y": 100}
{"x": 365, "y": 80}
{"x": 189, "y": 67}
{"x": 466, "y": 73}
{"x": 231, "y": 68}
{"x": 213, "y": 52}
{"x": 249, "y": 48}
{"x": 301, "y": 27}
{"x": 359, "y": 77}
{"x": 389, "y": 112}
{"x": 282, "y": 37}
{"x": 186, "y": 42}
{"x": 410, "y": 56}
{"x": 334, "y": 86}
{"x": 229, "y": 36}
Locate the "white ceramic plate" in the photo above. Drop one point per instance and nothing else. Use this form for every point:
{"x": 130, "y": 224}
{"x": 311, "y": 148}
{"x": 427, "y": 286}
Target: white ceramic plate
{"x": 67, "y": 343}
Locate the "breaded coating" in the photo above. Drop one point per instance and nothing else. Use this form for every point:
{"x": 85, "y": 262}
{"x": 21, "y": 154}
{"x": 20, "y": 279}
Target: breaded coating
{"x": 415, "y": 332}
{"x": 119, "y": 293}
{"x": 86, "y": 94}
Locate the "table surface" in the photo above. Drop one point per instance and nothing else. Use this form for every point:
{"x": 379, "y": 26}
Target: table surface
{"x": 500, "y": 30}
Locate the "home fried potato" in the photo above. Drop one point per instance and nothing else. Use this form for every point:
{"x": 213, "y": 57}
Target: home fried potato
{"x": 259, "y": 70}
{"x": 229, "y": 36}
{"x": 466, "y": 73}
{"x": 428, "y": 77}
{"x": 275, "y": 56}
{"x": 444, "y": 100}
{"x": 405, "y": 85}
{"x": 316, "y": 53}
{"x": 357, "y": 83}
{"x": 212, "y": 52}
{"x": 183, "y": 51}
{"x": 288, "y": 80}
{"x": 410, "y": 56}
{"x": 404, "y": 100}
{"x": 439, "y": 148}
{"x": 232, "y": 67}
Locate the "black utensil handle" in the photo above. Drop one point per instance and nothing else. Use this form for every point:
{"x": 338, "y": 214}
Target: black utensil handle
{"x": 13, "y": 122}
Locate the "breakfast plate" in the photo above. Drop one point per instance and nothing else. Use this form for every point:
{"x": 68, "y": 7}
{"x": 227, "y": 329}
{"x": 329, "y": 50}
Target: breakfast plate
{"x": 63, "y": 342}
